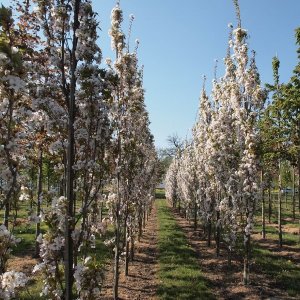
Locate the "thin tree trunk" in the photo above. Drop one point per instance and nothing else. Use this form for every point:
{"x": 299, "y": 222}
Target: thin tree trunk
{"x": 218, "y": 235}
{"x": 285, "y": 198}
{"x": 246, "y": 260}
{"x": 279, "y": 208}
{"x": 294, "y": 195}
{"x": 263, "y": 219}
{"x": 140, "y": 227}
{"x": 48, "y": 179}
{"x": 299, "y": 184}
{"x": 101, "y": 212}
{"x": 270, "y": 203}
{"x": 6, "y": 214}
{"x": 132, "y": 248}
{"x": 209, "y": 233}
{"x": 116, "y": 261}
{"x": 195, "y": 216}
{"x": 229, "y": 255}
{"x": 69, "y": 220}
{"x": 31, "y": 187}
{"x": 118, "y": 227}
{"x": 126, "y": 252}
{"x": 38, "y": 205}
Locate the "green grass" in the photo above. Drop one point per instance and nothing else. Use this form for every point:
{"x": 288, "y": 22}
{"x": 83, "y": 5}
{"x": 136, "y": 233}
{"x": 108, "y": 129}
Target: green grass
{"x": 281, "y": 269}
{"x": 287, "y": 220}
{"x": 179, "y": 273}
{"x": 160, "y": 194}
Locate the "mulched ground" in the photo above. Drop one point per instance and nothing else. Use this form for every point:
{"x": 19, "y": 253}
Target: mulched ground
{"x": 226, "y": 283}
{"x": 142, "y": 281}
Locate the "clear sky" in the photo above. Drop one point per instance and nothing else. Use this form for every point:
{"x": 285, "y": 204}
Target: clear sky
{"x": 180, "y": 39}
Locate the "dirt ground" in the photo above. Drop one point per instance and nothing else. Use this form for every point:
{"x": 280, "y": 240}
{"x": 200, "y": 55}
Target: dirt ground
{"x": 227, "y": 284}
{"x": 142, "y": 281}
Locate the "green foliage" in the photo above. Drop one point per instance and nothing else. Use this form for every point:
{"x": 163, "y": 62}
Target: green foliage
{"x": 164, "y": 161}
{"x": 6, "y": 19}
{"x": 280, "y": 123}
{"x": 8, "y": 39}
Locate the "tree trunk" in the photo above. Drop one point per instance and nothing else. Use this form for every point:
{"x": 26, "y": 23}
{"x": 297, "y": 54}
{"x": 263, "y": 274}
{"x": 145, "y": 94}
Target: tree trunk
{"x": 140, "y": 228}
{"x": 279, "y": 209}
{"x": 48, "y": 180}
{"x": 38, "y": 205}
{"x": 270, "y": 204}
{"x": 117, "y": 257}
{"x": 263, "y": 219}
{"x": 209, "y": 233}
{"x": 69, "y": 220}
{"x": 101, "y": 212}
{"x": 126, "y": 252}
{"x": 6, "y": 214}
{"x": 31, "y": 187}
{"x": 195, "y": 216}
{"x": 229, "y": 255}
{"x": 299, "y": 184}
{"x": 132, "y": 248}
{"x": 218, "y": 235}
{"x": 246, "y": 260}
{"x": 294, "y": 195}
{"x": 285, "y": 198}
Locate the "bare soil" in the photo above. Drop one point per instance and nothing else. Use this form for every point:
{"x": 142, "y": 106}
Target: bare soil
{"x": 226, "y": 283}
{"x": 142, "y": 281}
{"x": 23, "y": 264}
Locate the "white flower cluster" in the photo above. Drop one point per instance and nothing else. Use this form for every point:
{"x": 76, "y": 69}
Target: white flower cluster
{"x": 88, "y": 279}
{"x": 10, "y": 282}
{"x": 112, "y": 138}
{"x": 217, "y": 173}
{"x": 51, "y": 249}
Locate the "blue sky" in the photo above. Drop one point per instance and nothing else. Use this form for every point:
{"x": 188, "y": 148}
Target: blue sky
{"x": 179, "y": 41}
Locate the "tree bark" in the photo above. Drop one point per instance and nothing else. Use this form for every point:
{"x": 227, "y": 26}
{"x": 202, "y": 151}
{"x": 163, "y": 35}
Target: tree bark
{"x": 209, "y": 233}
{"x": 299, "y": 184}
{"x": 38, "y": 205}
{"x": 218, "y": 235}
{"x": 263, "y": 219}
{"x": 116, "y": 261}
{"x": 6, "y": 214}
{"x": 294, "y": 195}
{"x": 246, "y": 260}
{"x": 132, "y": 248}
{"x": 279, "y": 208}
{"x": 69, "y": 220}
{"x": 126, "y": 252}
{"x": 270, "y": 204}
{"x": 195, "y": 216}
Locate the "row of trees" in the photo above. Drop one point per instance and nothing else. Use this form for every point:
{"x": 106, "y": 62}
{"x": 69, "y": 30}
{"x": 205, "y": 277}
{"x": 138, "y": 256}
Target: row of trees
{"x": 75, "y": 129}
{"x": 239, "y": 144}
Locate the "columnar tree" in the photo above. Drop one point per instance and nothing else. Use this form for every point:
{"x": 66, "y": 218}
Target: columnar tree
{"x": 130, "y": 145}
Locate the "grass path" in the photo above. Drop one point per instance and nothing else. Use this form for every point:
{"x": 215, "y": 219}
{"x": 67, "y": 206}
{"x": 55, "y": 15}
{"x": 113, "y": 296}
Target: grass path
{"x": 179, "y": 272}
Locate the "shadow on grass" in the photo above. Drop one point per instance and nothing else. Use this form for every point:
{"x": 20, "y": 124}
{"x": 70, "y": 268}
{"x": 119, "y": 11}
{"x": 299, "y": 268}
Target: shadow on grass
{"x": 284, "y": 272}
{"x": 180, "y": 276}
{"x": 160, "y": 194}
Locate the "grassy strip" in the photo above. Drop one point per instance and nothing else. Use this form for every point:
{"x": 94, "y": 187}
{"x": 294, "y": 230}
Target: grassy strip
{"x": 179, "y": 273}
{"x": 281, "y": 269}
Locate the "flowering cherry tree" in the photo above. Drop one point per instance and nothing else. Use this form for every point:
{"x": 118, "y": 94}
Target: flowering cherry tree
{"x": 134, "y": 156}
{"x": 226, "y": 139}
